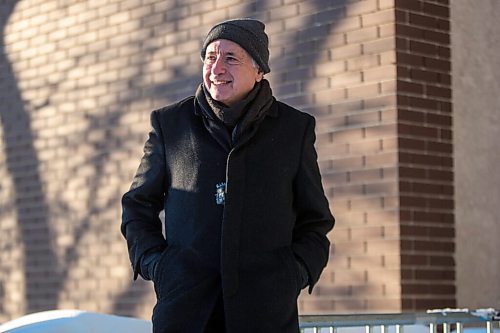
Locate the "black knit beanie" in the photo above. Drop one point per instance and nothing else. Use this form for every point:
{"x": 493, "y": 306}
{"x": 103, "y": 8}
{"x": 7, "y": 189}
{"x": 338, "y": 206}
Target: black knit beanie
{"x": 246, "y": 32}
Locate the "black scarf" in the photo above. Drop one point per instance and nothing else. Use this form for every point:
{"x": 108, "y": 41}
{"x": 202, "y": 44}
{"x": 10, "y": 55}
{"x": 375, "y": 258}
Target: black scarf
{"x": 239, "y": 120}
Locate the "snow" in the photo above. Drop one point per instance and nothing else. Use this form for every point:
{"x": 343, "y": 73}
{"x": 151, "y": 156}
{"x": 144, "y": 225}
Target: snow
{"x": 75, "y": 321}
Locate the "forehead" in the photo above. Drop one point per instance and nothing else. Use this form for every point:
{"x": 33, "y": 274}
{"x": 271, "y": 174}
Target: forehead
{"x": 225, "y": 46}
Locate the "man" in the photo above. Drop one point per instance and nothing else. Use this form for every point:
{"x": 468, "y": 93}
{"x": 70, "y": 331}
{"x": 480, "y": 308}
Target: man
{"x": 245, "y": 214}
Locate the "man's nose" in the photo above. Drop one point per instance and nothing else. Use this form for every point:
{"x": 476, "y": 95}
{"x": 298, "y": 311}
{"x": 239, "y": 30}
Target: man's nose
{"x": 219, "y": 66}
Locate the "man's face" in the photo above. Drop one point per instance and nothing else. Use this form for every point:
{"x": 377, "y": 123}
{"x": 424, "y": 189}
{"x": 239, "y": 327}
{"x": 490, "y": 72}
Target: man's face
{"x": 228, "y": 72}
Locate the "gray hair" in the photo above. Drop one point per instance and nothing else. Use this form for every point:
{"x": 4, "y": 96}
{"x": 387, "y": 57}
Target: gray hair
{"x": 256, "y": 65}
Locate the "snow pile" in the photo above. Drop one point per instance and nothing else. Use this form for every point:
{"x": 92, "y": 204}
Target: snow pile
{"x": 484, "y": 314}
{"x": 74, "y": 321}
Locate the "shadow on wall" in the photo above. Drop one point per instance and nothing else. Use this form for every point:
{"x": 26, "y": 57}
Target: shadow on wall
{"x": 44, "y": 272}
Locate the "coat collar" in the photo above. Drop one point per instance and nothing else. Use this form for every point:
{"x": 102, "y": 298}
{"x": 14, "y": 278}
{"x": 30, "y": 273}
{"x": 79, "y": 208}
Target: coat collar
{"x": 273, "y": 111}
{"x": 264, "y": 103}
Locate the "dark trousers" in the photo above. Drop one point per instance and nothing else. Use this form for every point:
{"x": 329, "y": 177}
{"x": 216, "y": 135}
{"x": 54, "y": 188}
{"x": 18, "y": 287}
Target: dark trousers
{"x": 216, "y": 322}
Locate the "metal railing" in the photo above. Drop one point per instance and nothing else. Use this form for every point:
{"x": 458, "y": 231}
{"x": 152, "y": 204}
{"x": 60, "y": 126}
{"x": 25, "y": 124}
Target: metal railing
{"x": 432, "y": 321}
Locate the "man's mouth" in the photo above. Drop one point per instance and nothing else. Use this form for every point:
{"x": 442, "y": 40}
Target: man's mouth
{"x": 220, "y": 82}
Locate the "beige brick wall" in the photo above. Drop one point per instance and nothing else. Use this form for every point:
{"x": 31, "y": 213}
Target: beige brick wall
{"x": 353, "y": 97}
{"x": 78, "y": 83}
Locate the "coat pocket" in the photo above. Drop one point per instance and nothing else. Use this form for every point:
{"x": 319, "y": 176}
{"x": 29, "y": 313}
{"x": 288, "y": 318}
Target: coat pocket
{"x": 292, "y": 266}
{"x": 161, "y": 270}
{"x": 268, "y": 280}
{"x": 178, "y": 270}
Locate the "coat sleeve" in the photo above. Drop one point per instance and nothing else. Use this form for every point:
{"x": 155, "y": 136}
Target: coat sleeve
{"x": 314, "y": 219}
{"x": 141, "y": 205}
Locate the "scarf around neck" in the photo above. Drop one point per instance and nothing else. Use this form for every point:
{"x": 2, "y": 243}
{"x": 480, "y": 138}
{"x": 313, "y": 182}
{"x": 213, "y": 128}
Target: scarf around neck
{"x": 242, "y": 117}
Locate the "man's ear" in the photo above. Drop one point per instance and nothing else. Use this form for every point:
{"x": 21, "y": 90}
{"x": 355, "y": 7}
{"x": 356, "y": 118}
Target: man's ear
{"x": 260, "y": 76}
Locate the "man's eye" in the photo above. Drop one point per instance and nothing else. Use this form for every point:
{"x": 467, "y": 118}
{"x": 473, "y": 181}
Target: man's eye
{"x": 210, "y": 59}
{"x": 232, "y": 61}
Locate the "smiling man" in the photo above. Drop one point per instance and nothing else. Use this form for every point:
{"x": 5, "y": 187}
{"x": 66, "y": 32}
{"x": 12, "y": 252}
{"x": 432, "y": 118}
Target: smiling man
{"x": 226, "y": 61}
{"x": 236, "y": 174}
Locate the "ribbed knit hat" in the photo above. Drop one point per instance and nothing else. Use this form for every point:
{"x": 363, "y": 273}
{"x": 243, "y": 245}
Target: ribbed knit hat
{"x": 246, "y": 32}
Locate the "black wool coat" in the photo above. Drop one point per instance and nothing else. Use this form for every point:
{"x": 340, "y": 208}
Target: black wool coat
{"x": 275, "y": 211}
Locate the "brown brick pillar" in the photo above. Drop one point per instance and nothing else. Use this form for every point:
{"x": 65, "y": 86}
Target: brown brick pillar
{"x": 425, "y": 154}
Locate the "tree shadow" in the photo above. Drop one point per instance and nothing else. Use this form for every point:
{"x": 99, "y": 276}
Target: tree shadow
{"x": 44, "y": 273}
{"x": 41, "y": 268}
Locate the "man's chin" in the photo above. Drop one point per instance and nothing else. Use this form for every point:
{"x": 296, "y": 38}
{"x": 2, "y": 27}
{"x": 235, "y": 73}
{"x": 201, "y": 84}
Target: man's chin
{"x": 221, "y": 98}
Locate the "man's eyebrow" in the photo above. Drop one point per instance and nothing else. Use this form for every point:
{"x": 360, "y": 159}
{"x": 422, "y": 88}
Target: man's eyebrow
{"x": 230, "y": 53}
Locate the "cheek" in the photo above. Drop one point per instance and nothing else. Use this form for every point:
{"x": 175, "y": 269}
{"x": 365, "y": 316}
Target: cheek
{"x": 247, "y": 83}
{"x": 206, "y": 75}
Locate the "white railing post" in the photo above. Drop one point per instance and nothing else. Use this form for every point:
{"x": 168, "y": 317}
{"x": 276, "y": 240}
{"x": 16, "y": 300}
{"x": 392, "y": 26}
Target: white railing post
{"x": 489, "y": 327}
{"x": 432, "y": 328}
{"x": 446, "y": 328}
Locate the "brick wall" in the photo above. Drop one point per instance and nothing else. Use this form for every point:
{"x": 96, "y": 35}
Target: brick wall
{"x": 78, "y": 81}
{"x": 425, "y": 154}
